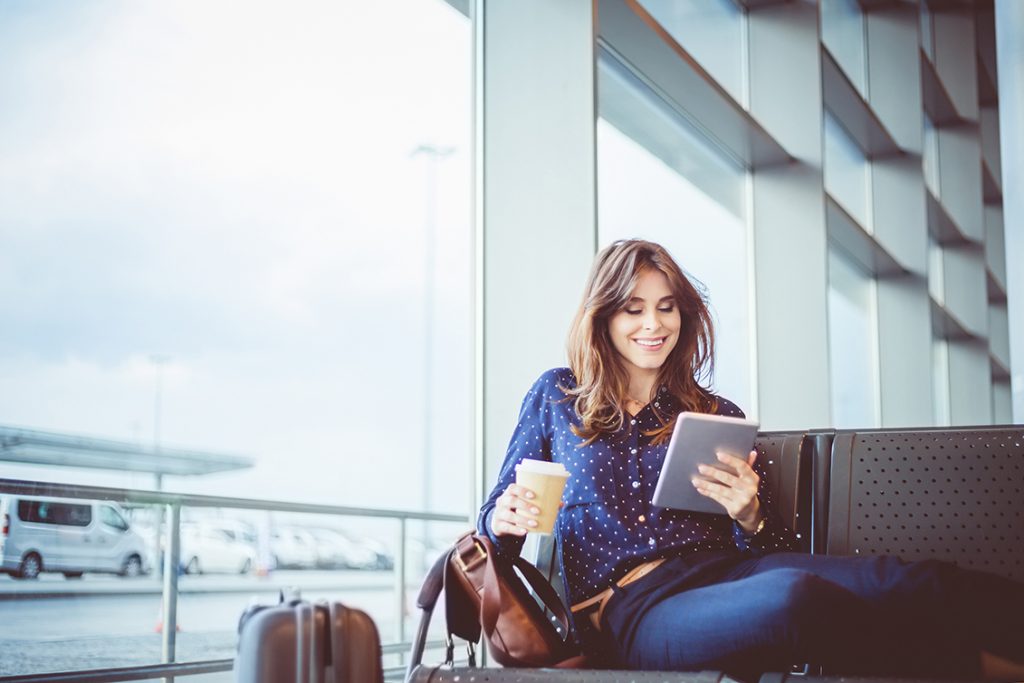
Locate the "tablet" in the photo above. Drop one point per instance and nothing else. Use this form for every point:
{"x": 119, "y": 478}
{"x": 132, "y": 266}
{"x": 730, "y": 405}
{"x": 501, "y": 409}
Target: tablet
{"x": 695, "y": 440}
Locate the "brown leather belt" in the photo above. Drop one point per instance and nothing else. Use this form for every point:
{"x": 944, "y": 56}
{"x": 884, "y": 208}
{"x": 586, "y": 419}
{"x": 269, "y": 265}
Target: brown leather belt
{"x": 594, "y": 607}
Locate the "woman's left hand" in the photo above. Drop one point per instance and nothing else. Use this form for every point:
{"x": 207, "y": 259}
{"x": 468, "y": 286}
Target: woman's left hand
{"x": 736, "y": 491}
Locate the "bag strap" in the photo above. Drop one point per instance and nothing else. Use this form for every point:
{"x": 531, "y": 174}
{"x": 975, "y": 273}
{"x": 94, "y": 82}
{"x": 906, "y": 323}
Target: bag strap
{"x": 491, "y": 599}
{"x": 432, "y": 585}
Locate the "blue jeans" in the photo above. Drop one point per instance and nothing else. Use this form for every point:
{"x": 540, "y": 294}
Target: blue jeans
{"x": 853, "y": 615}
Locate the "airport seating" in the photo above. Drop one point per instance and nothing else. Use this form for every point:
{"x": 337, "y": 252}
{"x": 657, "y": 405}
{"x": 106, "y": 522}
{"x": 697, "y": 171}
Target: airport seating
{"x": 945, "y": 493}
{"x": 951, "y": 494}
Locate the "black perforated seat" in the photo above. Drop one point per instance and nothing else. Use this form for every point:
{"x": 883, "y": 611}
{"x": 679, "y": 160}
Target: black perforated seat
{"x": 954, "y": 494}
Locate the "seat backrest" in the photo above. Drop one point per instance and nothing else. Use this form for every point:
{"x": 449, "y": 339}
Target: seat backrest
{"x": 946, "y": 493}
{"x": 787, "y": 464}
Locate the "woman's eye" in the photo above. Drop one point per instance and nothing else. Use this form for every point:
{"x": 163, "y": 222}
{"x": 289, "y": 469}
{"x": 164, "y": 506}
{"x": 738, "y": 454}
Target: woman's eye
{"x": 634, "y": 312}
{"x": 667, "y": 309}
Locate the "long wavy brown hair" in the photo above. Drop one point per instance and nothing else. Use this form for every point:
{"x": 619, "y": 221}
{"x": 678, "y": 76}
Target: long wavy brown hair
{"x": 601, "y": 376}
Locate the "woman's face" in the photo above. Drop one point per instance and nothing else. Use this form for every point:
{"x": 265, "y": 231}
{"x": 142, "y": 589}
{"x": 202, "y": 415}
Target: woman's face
{"x": 646, "y": 330}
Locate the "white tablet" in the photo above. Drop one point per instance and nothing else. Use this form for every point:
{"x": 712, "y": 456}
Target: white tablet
{"x": 695, "y": 440}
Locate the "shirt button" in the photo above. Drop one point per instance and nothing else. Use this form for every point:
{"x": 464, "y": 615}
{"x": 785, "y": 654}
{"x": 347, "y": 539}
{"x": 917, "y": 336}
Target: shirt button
{"x": 633, "y": 451}
{"x": 641, "y": 519}
{"x": 651, "y": 541}
{"x": 636, "y": 484}
{"x": 632, "y": 422}
{"x": 657, "y": 405}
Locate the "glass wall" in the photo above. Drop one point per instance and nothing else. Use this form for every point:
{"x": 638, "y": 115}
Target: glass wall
{"x": 846, "y": 171}
{"x": 842, "y": 33}
{"x": 671, "y": 185}
{"x": 236, "y": 232}
{"x": 713, "y": 32}
{"x": 853, "y": 344}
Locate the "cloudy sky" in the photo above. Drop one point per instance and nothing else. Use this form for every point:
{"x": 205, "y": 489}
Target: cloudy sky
{"x": 233, "y": 190}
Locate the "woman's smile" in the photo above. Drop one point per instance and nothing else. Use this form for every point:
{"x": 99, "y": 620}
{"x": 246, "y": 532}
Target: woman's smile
{"x": 651, "y": 344}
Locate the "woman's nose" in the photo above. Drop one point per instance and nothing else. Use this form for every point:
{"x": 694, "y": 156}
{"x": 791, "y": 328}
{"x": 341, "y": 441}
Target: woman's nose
{"x": 651, "y": 321}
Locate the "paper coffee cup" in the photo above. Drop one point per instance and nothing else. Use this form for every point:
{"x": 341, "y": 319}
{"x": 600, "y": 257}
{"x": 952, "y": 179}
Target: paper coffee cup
{"x": 547, "y": 481}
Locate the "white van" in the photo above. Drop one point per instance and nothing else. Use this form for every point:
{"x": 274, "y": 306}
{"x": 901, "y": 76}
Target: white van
{"x": 67, "y": 535}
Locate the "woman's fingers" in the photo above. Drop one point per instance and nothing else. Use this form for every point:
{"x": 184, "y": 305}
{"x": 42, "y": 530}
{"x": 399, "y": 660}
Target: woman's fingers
{"x": 514, "y": 511}
{"x": 718, "y": 493}
{"x": 741, "y": 467}
{"x": 735, "y": 488}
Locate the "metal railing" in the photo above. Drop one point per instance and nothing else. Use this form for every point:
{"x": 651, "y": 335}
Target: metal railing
{"x": 173, "y": 503}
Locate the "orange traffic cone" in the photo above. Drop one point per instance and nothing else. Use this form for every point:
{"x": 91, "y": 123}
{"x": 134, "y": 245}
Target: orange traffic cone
{"x": 160, "y": 622}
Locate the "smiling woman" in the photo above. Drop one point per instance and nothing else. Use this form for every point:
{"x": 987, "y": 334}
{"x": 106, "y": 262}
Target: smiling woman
{"x": 639, "y": 304}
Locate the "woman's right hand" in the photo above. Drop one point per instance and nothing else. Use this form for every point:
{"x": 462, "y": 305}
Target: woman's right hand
{"x": 514, "y": 512}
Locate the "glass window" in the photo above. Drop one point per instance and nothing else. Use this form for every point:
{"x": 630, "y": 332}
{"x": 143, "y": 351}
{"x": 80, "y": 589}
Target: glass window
{"x": 936, "y": 272}
{"x": 109, "y": 516}
{"x": 853, "y": 344}
{"x": 846, "y": 172}
{"x": 224, "y": 231}
{"x": 669, "y": 185}
{"x": 930, "y": 156}
{"x": 842, "y": 32}
{"x": 941, "y": 403}
{"x": 713, "y": 32}
{"x": 237, "y": 231}
{"x": 927, "y": 32}
{"x": 46, "y": 512}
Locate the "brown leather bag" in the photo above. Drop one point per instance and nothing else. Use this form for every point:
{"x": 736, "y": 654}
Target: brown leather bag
{"x": 484, "y": 592}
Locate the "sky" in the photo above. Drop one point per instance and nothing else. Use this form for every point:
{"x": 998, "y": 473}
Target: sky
{"x": 235, "y": 193}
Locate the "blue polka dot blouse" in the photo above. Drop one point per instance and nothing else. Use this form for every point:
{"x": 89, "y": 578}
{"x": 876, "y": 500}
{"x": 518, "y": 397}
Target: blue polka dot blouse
{"x": 608, "y": 524}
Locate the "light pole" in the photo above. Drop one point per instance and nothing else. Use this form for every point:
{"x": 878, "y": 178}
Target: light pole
{"x": 434, "y": 155}
{"x": 158, "y": 362}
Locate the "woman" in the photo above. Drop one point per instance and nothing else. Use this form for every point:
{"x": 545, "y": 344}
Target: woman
{"x": 663, "y": 589}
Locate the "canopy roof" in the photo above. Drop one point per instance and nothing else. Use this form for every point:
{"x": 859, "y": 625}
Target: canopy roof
{"x": 55, "y": 448}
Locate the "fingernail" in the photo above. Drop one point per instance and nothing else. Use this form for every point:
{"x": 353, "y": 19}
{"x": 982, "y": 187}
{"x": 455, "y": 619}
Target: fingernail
{"x": 535, "y": 511}
{"x": 529, "y": 494}
{"x": 532, "y": 522}
{"x": 703, "y": 469}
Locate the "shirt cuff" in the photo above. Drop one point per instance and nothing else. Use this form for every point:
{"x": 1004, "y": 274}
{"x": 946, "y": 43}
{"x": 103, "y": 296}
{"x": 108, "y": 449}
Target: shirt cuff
{"x": 744, "y": 539}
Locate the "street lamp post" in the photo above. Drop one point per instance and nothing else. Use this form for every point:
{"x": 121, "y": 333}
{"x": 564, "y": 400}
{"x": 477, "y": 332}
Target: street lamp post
{"x": 158, "y": 362}
{"x": 434, "y": 155}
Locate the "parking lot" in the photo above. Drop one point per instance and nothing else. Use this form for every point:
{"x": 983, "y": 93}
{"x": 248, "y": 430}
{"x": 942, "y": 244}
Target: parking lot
{"x": 54, "y": 624}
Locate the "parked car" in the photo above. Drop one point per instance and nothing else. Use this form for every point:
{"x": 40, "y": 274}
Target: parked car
{"x": 67, "y": 535}
{"x": 293, "y": 548}
{"x": 383, "y": 558}
{"x": 335, "y": 550}
{"x": 207, "y": 547}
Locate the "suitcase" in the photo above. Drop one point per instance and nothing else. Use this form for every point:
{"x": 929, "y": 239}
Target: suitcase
{"x": 300, "y": 642}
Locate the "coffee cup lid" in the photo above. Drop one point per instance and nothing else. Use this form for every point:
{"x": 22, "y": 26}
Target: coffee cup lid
{"x": 542, "y": 467}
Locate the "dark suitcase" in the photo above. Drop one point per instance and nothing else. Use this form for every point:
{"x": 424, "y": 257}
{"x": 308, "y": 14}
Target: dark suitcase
{"x": 300, "y": 642}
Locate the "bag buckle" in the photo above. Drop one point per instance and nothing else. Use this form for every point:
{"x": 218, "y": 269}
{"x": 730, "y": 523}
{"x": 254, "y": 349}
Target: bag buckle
{"x": 474, "y": 561}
